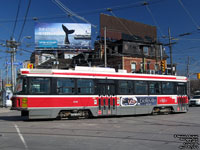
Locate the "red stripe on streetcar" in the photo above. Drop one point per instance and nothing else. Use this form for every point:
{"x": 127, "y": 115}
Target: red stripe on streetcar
{"x": 60, "y": 102}
{"x": 165, "y": 100}
{"x": 114, "y": 75}
{"x": 25, "y": 72}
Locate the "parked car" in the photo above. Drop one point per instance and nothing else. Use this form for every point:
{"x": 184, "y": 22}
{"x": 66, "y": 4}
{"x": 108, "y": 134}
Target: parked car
{"x": 195, "y": 100}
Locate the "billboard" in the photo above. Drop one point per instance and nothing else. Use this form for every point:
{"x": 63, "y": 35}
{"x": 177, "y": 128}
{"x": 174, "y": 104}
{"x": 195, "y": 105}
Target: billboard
{"x": 63, "y": 36}
{"x": 119, "y": 28}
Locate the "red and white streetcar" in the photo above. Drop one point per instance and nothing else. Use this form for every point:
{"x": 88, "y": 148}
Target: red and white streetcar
{"x": 93, "y": 91}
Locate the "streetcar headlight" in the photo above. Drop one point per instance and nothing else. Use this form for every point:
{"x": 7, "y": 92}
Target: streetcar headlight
{"x": 24, "y": 102}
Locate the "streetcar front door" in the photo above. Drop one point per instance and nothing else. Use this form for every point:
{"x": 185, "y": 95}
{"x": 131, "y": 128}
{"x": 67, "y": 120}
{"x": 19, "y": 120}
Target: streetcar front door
{"x": 107, "y": 98}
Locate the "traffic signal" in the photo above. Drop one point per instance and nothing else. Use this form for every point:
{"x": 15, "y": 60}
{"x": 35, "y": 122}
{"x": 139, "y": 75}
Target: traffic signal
{"x": 30, "y": 66}
{"x": 163, "y": 64}
{"x": 198, "y": 75}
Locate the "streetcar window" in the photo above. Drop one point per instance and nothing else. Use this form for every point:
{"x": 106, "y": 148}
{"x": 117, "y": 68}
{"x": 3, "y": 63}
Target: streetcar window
{"x": 181, "y": 89}
{"x": 168, "y": 88}
{"x": 39, "y": 85}
{"x": 85, "y": 86}
{"x": 110, "y": 89}
{"x": 21, "y": 85}
{"x": 154, "y": 88}
{"x": 106, "y": 81}
{"x": 141, "y": 87}
{"x": 125, "y": 87}
{"x": 65, "y": 86}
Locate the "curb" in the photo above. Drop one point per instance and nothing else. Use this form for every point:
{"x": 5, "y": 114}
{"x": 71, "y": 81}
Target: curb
{"x": 4, "y": 110}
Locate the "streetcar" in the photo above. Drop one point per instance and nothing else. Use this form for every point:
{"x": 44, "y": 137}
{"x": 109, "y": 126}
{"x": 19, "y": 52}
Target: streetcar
{"x": 95, "y": 91}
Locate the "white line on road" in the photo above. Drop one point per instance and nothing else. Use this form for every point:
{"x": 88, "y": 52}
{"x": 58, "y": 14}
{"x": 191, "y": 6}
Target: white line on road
{"x": 21, "y": 136}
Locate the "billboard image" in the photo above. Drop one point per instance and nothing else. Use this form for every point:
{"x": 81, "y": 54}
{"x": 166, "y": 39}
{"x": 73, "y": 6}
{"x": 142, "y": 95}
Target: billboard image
{"x": 63, "y": 36}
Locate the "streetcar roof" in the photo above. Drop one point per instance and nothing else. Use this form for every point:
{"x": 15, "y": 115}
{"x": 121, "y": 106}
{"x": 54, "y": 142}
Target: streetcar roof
{"x": 99, "y": 72}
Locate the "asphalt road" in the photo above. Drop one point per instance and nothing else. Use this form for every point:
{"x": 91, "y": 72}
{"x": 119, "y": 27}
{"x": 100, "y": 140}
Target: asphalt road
{"x": 158, "y": 132}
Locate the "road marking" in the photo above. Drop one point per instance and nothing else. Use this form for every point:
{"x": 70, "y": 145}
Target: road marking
{"x": 21, "y": 136}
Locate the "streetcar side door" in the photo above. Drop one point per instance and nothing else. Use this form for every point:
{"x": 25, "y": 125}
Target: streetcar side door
{"x": 107, "y": 98}
{"x": 181, "y": 93}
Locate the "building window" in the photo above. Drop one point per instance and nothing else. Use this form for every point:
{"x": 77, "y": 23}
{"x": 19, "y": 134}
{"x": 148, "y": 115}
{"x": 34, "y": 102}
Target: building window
{"x": 133, "y": 67}
{"x": 141, "y": 67}
{"x": 156, "y": 67}
{"x": 148, "y": 65}
{"x": 145, "y": 50}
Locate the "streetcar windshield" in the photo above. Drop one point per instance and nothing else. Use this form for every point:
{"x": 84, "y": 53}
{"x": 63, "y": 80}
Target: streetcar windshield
{"x": 21, "y": 86}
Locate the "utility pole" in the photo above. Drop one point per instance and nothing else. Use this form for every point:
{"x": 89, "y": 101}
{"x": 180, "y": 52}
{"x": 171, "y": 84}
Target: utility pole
{"x": 188, "y": 75}
{"x": 188, "y": 67}
{"x": 105, "y": 52}
{"x": 6, "y": 71}
{"x": 170, "y": 48}
{"x": 1, "y": 80}
{"x": 57, "y": 62}
{"x": 12, "y": 44}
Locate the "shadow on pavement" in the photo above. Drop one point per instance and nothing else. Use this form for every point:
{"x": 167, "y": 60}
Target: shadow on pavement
{"x": 12, "y": 118}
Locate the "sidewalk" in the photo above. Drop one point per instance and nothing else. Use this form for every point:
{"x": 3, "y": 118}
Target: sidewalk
{"x": 4, "y": 110}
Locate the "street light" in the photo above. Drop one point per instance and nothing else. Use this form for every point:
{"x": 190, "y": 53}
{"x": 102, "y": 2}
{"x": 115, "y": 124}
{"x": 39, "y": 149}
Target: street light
{"x": 25, "y": 37}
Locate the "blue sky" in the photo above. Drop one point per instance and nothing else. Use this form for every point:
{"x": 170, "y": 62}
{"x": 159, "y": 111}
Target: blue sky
{"x": 182, "y": 16}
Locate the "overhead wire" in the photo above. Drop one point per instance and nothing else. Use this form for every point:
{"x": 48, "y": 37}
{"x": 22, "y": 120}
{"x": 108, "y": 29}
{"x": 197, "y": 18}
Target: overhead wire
{"x": 191, "y": 48}
{"x": 137, "y": 4}
{"x": 69, "y": 12}
{"x": 17, "y": 14}
{"x": 188, "y": 13}
{"x": 22, "y": 29}
{"x": 154, "y": 20}
{"x": 57, "y": 16}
